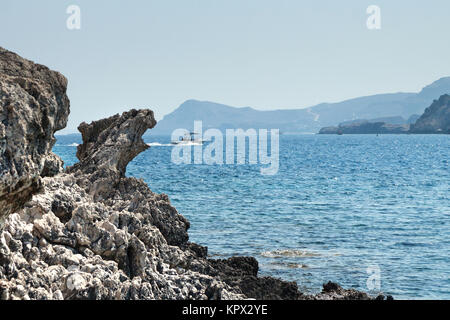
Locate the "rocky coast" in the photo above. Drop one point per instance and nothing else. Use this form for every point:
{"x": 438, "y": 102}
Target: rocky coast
{"x": 434, "y": 120}
{"x": 90, "y": 232}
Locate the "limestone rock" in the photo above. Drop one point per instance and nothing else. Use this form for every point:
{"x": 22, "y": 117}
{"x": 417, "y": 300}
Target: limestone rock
{"x": 93, "y": 252}
{"x": 108, "y": 146}
{"x": 33, "y": 105}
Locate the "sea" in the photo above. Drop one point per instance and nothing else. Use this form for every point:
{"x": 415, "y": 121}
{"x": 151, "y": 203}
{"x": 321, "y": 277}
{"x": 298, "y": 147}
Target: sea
{"x": 368, "y": 212}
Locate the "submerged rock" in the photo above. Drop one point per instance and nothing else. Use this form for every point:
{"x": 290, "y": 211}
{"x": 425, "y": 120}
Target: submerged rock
{"x": 90, "y": 232}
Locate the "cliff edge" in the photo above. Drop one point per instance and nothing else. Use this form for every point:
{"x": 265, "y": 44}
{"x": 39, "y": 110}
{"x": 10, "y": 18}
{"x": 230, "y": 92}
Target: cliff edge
{"x": 436, "y": 118}
{"x": 33, "y": 106}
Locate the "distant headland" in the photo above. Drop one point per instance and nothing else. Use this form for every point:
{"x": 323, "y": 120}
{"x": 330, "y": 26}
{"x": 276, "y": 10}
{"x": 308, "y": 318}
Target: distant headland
{"x": 435, "y": 120}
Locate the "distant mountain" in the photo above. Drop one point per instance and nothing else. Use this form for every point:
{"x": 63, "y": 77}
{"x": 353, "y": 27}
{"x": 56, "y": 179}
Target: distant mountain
{"x": 436, "y": 118}
{"x": 223, "y": 117}
{"x": 308, "y": 120}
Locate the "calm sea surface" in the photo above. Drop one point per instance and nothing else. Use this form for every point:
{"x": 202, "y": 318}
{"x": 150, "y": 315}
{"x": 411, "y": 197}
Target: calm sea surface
{"x": 339, "y": 205}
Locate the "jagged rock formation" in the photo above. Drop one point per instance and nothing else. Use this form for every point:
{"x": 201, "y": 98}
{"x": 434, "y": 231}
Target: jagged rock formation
{"x": 108, "y": 146}
{"x": 90, "y": 232}
{"x": 436, "y": 118}
{"x": 118, "y": 139}
{"x": 64, "y": 245}
{"x": 33, "y": 105}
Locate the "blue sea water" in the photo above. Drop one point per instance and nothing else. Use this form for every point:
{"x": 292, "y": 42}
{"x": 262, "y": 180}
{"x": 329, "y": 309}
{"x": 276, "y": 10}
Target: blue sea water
{"x": 338, "y": 206}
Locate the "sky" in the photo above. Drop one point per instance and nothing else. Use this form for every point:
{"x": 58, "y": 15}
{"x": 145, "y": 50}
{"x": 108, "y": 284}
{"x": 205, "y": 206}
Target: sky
{"x": 259, "y": 53}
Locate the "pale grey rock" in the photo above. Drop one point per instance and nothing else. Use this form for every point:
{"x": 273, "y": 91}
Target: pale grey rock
{"x": 33, "y": 105}
{"x": 108, "y": 146}
{"x": 98, "y": 254}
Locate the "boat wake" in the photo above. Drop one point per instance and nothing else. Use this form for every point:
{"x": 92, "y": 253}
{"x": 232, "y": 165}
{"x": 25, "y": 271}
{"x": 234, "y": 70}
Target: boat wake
{"x": 289, "y": 253}
{"x": 68, "y": 145}
{"x": 184, "y": 143}
{"x": 157, "y": 144}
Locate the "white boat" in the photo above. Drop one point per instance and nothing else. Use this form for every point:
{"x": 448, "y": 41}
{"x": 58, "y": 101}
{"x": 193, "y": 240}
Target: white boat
{"x": 189, "y": 139}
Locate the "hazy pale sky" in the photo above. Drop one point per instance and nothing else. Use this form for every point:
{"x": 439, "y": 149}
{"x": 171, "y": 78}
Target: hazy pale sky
{"x": 259, "y": 53}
